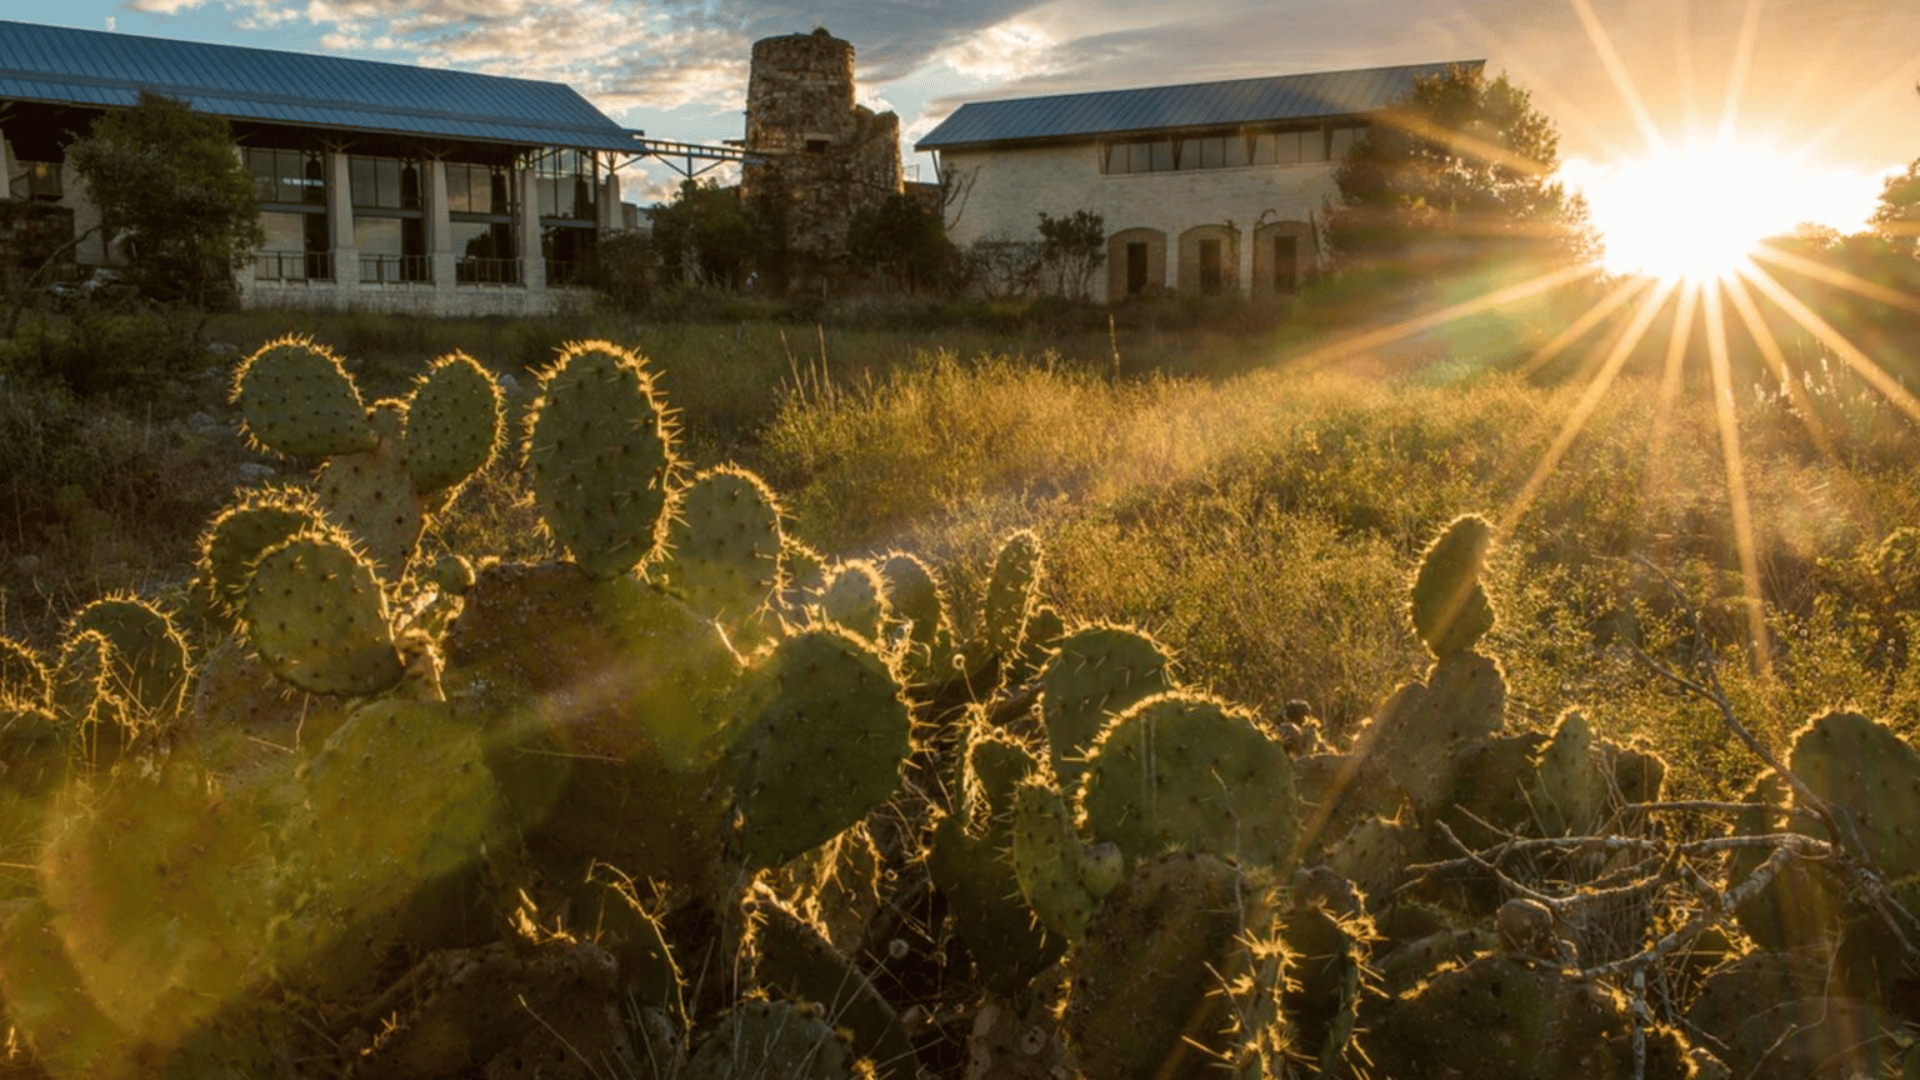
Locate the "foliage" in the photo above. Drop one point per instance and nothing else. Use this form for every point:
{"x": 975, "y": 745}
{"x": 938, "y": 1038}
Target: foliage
{"x": 166, "y": 179}
{"x": 1003, "y": 268}
{"x": 707, "y": 236}
{"x": 626, "y": 270}
{"x": 1459, "y": 172}
{"x": 905, "y": 242}
{"x": 1897, "y": 215}
{"x": 1072, "y": 248}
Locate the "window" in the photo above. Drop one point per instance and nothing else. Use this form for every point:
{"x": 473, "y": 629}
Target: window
{"x": 1136, "y": 268}
{"x": 565, "y": 182}
{"x": 1342, "y": 140}
{"x": 1213, "y": 152}
{"x": 39, "y": 180}
{"x": 1143, "y": 155}
{"x": 482, "y": 205}
{"x": 816, "y": 146}
{"x": 479, "y": 189}
{"x": 291, "y": 188}
{"x": 389, "y": 227}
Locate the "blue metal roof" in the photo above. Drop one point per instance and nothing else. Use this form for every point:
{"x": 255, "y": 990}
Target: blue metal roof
{"x": 94, "y": 68}
{"x": 1309, "y": 96}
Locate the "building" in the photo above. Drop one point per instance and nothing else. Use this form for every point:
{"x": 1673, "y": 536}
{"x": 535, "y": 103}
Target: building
{"x": 824, "y": 159}
{"x": 1209, "y": 187}
{"x": 380, "y": 186}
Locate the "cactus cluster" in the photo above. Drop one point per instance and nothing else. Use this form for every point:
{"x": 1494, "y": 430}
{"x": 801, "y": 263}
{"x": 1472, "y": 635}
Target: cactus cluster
{"x": 690, "y": 800}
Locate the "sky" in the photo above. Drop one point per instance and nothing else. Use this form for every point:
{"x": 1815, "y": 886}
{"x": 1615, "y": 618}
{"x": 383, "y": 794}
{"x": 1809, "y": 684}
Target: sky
{"x": 1828, "y": 89}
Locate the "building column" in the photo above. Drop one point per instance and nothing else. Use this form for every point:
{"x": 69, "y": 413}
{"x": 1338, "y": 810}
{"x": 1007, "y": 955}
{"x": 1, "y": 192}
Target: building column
{"x": 610, "y": 205}
{"x": 1243, "y": 247}
{"x": 533, "y": 267}
{"x": 346, "y": 251}
{"x": 7, "y": 165}
{"x": 440, "y": 254}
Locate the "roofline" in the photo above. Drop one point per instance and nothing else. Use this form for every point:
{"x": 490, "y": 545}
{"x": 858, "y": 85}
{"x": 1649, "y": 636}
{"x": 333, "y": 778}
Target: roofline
{"x": 1041, "y": 141}
{"x": 1480, "y": 63}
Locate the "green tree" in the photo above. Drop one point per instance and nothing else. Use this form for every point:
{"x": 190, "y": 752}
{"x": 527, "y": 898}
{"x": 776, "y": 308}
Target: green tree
{"x": 166, "y": 179}
{"x": 1897, "y": 217}
{"x": 707, "y": 236}
{"x": 1071, "y": 249}
{"x": 905, "y": 241}
{"x": 1458, "y": 172}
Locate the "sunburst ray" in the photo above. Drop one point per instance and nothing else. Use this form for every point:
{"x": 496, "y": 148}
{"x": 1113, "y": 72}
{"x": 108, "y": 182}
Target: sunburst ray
{"x": 1739, "y": 505}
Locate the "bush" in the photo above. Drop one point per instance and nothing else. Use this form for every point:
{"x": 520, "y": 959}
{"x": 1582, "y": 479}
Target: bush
{"x": 97, "y": 349}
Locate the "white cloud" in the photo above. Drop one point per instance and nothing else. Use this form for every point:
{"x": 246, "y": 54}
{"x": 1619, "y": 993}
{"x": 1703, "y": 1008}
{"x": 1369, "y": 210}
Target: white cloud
{"x": 1011, "y": 50}
{"x": 162, "y": 7}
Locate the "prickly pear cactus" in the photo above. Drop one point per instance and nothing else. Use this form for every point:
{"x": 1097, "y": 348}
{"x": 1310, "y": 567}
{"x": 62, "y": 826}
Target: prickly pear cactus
{"x": 824, "y": 732}
{"x": 1012, "y": 593}
{"x": 23, "y": 678}
{"x": 318, "y": 617}
{"x": 600, "y": 457}
{"x": 1450, "y": 608}
{"x": 1147, "y": 994}
{"x": 855, "y": 600}
{"x": 772, "y": 1039}
{"x": 454, "y": 422}
{"x": 1571, "y": 795}
{"x": 1096, "y": 673}
{"x": 262, "y": 519}
{"x": 914, "y": 598}
{"x": 86, "y": 698}
{"x": 725, "y": 541}
{"x": 1186, "y": 771}
{"x": 296, "y": 399}
{"x": 51, "y": 1008}
{"x": 370, "y": 495}
{"x": 149, "y": 655}
{"x": 1050, "y": 864}
{"x": 1870, "y": 777}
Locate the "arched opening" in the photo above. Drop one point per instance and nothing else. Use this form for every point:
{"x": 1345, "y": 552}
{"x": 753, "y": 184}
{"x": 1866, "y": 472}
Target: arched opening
{"x": 1285, "y": 254}
{"x": 1210, "y": 260}
{"x": 1136, "y": 263}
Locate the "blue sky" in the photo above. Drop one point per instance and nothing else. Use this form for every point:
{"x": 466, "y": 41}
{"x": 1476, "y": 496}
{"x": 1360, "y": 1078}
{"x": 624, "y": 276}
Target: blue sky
{"x": 1832, "y": 80}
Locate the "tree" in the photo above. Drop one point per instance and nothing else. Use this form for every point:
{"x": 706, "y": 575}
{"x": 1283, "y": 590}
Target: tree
{"x": 1072, "y": 248}
{"x": 1897, "y": 217}
{"x": 904, "y": 241}
{"x": 706, "y": 236}
{"x": 166, "y": 179}
{"x": 1459, "y": 171}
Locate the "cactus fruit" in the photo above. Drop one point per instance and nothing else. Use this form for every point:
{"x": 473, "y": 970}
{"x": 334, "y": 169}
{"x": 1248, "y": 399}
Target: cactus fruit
{"x": 234, "y": 542}
{"x": 762, "y": 1038}
{"x": 1870, "y": 778}
{"x": 824, "y": 733}
{"x": 370, "y": 495}
{"x": 1012, "y": 592}
{"x": 453, "y": 424}
{"x": 150, "y": 656}
{"x": 1096, "y": 673}
{"x": 296, "y": 399}
{"x": 1450, "y": 609}
{"x": 318, "y": 618}
{"x": 855, "y": 600}
{"x": 1146, "y": 994}
{"x": 1187, "y": 771}
{"x": 600, "y": 457}
{"x": 725, "y": 541}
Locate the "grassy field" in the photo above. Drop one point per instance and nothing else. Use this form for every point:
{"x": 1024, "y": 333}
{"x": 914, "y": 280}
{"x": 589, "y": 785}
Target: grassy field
{"x": 1258, "y": 515}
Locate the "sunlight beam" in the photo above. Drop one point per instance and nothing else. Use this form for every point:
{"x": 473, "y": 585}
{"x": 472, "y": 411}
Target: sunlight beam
{"x": 1769, "y": 346}
{"x": 1583, "y": 410}
{"x": 1847, "y": 351}
{"x": 1870, "y": 290}
{"x": 1606, "y": 306}
{"x": 1742, "y": 66}
{"x": 1407, "y": 328}
{"x": 1617, "y": 71}
{"x": 1668, "y": 401}
{"x": 1738, "y": 502}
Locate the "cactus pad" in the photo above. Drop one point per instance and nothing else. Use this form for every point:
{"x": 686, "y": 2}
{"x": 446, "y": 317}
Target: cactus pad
{"x": 725, "y": 542}
{"x": 318, "y": 619}
{"x": 235, "y": 540}
{"x": 855, "y": 599}
{"x": 823, "y": 735}
{"x": 600, "y": 457}
{"x": 1450, "y": 608}
{"x": 23, "y": 677}
{"x": 1871, "y": 778}
{"x": 770, "y": 1039}
{"x": 1096, "y": 673}
{"x": 1012, "y": 592}
{"x": 150, "y": 656}
{"x": 1186, "y": 771}
{"x": 453, "y": 423}
{"x": 370, "y": 496}
{"x": 1047, "y": 857}
{"x": 297, "y": 400}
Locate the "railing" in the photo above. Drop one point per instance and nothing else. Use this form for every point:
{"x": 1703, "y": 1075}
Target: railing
{"x": 487, "y": 271}
{"x": 395, "y": 269}
{"x": 293, "y": 266}
{"x": 560, "y": 272}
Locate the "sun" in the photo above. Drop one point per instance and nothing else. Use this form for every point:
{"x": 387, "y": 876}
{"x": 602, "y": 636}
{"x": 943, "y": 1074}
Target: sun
{"x": 1693, "y": 214}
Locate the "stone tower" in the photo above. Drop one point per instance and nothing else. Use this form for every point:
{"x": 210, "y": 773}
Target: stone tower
{"x": 830, "y": 158}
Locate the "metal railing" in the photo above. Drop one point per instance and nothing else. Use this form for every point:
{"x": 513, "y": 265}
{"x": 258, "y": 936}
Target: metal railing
{"x": 395, "y": 269}
{"x": 293, "y": 266}
{"x": 487, "y": 271}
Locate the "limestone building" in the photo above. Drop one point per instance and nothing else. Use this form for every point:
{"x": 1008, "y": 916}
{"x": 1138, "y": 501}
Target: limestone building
{"x": 816, "y": 158}
{"x": 1207, "y": 187}
{"x": 380, "y": 186}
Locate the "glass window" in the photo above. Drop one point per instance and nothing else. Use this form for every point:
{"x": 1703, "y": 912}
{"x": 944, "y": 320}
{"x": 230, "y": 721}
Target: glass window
{"x": 379, "y": 236}
{"x": 1162, "y": 155}
{"x": 1343, "y": 140}
{"x": 1263, "y": 148}
{"x": 284, "y": 232}
{"x": 385, "y": 183}
{"x": 1313, "y": 146}
{"x": 287, "y": 177}
{"x": 564, "y": 182}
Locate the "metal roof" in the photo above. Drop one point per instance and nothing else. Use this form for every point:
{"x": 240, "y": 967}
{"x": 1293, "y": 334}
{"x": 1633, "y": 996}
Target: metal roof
{"x": 94, "y": 68}
{"x": 1238, "y": 101}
